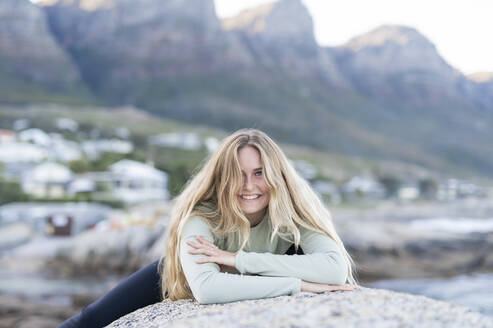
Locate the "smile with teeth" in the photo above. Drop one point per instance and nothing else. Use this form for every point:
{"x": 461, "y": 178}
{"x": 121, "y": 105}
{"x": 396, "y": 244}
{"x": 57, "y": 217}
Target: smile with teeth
{"x": 249, "y": 197}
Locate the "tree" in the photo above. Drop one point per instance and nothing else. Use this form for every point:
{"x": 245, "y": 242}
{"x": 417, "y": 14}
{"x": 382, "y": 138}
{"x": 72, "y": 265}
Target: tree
{"x": 11, "y": 191}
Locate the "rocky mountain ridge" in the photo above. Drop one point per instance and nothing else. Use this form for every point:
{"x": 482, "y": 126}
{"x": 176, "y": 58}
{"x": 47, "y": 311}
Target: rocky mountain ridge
{"x": 386, "y": 94}
{"x": 397, "y": 62}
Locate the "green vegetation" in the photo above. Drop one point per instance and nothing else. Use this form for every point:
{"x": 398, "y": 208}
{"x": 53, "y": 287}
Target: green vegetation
{"x": 180, "y": 164}
{"x": 11, "y": 191}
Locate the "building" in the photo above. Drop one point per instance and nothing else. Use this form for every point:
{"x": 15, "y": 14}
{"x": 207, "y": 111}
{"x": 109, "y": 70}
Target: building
{"x": 7, "y": 136}
{"x": 363, "y": 188}
{"x": 94, "y": 148}
{"x": 55, "y": 218}
{"x": 408, "y": 192}
{"x": 35, "y": 136}
{"x": 328, "y": 191}
{"x": 15, "y": 152}
{"x": 182, "y": 140}
{"x": 128, "y": 181}
{"x": 47, "y": 180}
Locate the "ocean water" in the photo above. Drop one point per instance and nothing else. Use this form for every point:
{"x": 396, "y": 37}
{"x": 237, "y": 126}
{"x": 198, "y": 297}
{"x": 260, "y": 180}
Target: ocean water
{"x": 473, "y": 291}
{"x": 460, "y": 225}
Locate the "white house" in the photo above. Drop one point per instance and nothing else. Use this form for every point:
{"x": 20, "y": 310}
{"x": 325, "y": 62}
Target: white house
{"x": 305, "y": 169}
{"x": 93, "y": 148}
{"x": 21, "y": 124}
{"x": 408, "y": 192}
{"x": 363, "y": 187}
{"x": 454, "y": 189}
{"x": 327, "y": 190}
{"x": 35, "y": 136}
{"x": 67, "y": 124}
{"x": 129, "y": 181}
{"x": 47, "y": 180}
{"x": 15, "y": 152}
{"x": 64, "y": 150}
{"x": 212, "y": 144}
{"x": 181, "y": 140}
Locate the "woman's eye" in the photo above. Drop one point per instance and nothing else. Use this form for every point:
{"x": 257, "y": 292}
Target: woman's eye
{"x": 258, "y": 173}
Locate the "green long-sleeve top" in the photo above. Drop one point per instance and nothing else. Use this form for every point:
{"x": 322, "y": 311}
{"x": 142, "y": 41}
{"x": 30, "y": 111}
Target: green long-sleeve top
{"x": 262, "y": 270}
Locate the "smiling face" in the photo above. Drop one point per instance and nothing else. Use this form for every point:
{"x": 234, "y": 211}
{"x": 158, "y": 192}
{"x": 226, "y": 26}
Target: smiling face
{"x": 255, "y": 194}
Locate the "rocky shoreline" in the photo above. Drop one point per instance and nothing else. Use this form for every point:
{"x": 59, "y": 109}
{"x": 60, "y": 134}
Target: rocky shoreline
{"x": 18, "y": 312}
{"x": 382, "y": 240}
{"x": 385, "y": 243}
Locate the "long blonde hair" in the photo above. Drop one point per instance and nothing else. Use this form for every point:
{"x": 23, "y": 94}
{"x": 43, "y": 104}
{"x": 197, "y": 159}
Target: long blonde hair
{"x": 292, "y": 202}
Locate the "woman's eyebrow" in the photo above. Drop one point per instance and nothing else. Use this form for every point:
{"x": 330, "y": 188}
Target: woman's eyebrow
{"x": 257, "y": 169}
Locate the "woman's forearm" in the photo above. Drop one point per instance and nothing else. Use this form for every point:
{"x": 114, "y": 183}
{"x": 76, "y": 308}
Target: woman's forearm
{"x": 327, "y": 268}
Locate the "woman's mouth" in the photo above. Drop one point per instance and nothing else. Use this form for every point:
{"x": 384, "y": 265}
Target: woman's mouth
{"x": 250, "y": 197}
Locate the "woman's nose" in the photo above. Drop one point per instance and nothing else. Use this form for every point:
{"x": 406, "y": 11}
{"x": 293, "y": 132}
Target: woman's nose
{"x": 247, "y": 184}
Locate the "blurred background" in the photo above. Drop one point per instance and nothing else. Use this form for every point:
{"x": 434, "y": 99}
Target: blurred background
{"x": 108, "y": 106}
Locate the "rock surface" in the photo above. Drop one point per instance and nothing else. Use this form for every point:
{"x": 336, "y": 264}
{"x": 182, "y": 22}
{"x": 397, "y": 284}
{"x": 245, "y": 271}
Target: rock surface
{"x": 94, "y": 253}
{"x": 361, "y": 308}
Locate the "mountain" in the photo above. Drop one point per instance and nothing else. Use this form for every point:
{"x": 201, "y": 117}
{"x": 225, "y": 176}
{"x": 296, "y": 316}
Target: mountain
{"x": 483, "y": 88}
{"x": 292, "y": 46}
{"x": 392, "y": 63}
{"x": 130, "y": 51}
{"x": 31, "y": 61}
{"x": 387, "y": 94}
{"x": 433, "y": 105}
{"x": 174, "y": 59}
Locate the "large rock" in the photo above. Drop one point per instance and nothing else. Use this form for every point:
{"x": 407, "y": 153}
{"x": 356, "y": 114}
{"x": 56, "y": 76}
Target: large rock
{"x": 361, "y": 308}
{"x": 93, "y": 253}
{"x": 105, "y": 252}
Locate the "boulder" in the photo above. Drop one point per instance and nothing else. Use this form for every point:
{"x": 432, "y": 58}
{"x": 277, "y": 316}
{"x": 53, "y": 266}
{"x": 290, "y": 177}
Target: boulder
{"x": 364, "y": 307}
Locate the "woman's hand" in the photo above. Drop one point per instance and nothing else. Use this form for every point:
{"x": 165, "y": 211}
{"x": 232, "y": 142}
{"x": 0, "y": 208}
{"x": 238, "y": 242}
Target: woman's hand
{"x": 312, "y": 287}
{"x": 214, "y": 254}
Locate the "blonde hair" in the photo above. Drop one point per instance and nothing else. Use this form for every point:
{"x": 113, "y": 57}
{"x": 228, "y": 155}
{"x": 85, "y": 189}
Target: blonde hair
{"x": 292, "y": 202}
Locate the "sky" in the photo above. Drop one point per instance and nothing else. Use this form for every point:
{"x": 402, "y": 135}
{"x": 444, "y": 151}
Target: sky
{"x": 462, "y": 30}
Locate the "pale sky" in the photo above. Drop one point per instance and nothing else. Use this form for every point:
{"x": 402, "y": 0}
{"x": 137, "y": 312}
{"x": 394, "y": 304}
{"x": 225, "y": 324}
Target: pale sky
{"x": 462, "y": 30}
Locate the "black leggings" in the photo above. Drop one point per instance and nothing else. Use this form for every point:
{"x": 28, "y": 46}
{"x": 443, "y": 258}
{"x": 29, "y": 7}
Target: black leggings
{"x": 140, "y": 289}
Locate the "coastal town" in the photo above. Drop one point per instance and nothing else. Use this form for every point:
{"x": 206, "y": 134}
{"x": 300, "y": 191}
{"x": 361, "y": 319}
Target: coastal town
{"x": 49, "y": 183}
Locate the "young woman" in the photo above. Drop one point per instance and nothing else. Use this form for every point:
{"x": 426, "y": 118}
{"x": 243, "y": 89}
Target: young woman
{"x": 246, "y": 226}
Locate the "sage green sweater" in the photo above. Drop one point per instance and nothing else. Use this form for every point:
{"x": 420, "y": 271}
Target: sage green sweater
{"x": 262, "y": 270}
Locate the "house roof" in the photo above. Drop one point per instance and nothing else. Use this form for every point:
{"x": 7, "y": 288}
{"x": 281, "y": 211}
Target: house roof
{"x": 50, "y": 172}
{"x": 136, "y": 169}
